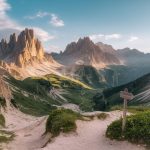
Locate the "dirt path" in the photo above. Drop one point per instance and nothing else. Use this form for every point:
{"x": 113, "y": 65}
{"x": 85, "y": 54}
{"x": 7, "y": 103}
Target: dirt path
{"x": 90, "y": 135}
{"x": 28, "y": 131}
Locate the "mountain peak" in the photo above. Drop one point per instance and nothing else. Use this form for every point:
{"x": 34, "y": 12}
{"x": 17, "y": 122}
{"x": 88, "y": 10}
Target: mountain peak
{"x": 90, "y": 54}
{"x": 21, "y": 50}
{"x": 85, "y": 39}
{"x": 82, "y": 45}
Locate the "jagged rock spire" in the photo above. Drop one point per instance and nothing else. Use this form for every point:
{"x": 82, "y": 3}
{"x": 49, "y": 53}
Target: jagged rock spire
{"x": 23, "y": 49}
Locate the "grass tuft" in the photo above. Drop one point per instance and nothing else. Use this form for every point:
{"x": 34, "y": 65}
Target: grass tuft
{"x": 61, "y": 120}
{"x": 2, "y": 121}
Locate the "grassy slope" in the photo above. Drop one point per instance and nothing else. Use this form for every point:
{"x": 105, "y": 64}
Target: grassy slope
{"x": 32, "y": 94}
{"x": 90, "y": 76}
{"x": 112, "y": 76}
{"x": 112, "y": 95}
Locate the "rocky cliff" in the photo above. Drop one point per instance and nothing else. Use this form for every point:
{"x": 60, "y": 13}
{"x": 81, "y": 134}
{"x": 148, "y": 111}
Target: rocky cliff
{"x": 24, "y": 56}
{"x": 21, "y": 50}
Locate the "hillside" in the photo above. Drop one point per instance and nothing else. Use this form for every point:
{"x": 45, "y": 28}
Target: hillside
{"x": 140, "y": 88}
{"x": 83, "y": 60}
{"x": 38, "y": 95}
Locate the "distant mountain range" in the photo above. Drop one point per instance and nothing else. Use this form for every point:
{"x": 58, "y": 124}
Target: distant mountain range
{"x": 99, "y": 55}
{"x": 96, "y": 64}
{"x": 133, "y": 56}
{"x": 100, "y": 65}
{"x": 85, "y": 52}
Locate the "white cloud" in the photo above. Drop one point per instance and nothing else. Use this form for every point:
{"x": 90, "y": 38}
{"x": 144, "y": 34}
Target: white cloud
{"x": 42, "y": 14}
{"x": 96, "y": 37}
{"x": 39, "y": 14}
{"x": 56, "y": 21}
{"x": 42, "y": 34}
{"x": 4, "y": 7}
{"x": 5, "y": 21}
{"x": 112, "y": 36}
{"x": 133, "y": 38}
{"x": 9, "y": 25}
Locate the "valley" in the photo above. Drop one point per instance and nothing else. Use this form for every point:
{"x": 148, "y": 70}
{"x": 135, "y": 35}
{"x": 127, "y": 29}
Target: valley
{"x": 86, "y": 79}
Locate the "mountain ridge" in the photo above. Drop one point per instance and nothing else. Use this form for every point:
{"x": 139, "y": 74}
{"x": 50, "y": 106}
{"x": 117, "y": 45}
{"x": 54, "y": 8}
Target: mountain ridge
{"x": 85, "y": 52}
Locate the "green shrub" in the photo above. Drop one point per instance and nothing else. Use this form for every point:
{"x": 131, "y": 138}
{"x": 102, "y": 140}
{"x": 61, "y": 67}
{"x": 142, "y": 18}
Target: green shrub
{"x": 137, "y": 128}
{"x": 61, "y": 120}
{"x": 114, "y": 130}
{"x": 2, "y": 121}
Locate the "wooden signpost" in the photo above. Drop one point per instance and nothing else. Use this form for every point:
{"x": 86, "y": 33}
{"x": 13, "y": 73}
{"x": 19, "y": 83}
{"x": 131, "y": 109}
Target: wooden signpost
{"x": 126, "y": 96}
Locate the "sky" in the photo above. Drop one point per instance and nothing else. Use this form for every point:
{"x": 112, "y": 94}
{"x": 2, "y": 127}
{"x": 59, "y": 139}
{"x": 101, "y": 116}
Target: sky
{"x": 121, "y": 23}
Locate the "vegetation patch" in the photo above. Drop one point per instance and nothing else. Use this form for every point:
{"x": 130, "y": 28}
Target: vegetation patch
{"x": 137, "y": 128}
{"x": 32, "y": 105}
{"x": 102, "y": 116}
{"x": 61, "y": 120}
{"x": 131, "y": 109}
{"x": 2, "y": 121}
{"x": 32, "y": 95}
{"x": 6, "y": 136}
{"x": 2, "y": 102}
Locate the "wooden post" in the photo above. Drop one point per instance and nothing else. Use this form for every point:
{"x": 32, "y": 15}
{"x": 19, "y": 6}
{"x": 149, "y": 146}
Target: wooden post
{"x": 126, "y": 96}
{"x": 124, "y": 115}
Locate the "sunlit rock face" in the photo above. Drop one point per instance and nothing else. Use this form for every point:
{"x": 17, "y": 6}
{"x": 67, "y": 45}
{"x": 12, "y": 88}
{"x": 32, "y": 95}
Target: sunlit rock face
{"x": 85, "y": 52}
{"x": 21, "y": 50}
{"x": 24, "y": 56}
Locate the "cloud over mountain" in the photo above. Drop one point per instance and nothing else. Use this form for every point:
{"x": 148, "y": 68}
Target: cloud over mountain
{"x": 97, "y": 37}
{"x": 56, "y": 21}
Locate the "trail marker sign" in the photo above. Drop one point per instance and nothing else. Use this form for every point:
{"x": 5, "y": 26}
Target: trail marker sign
{"x": 126, "y": 96}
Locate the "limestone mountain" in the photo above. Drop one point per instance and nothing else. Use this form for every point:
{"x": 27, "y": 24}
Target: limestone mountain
{"x": 85, "y": 52}
{"x": 21, "y": 50}
{"x": 25, "y": 51}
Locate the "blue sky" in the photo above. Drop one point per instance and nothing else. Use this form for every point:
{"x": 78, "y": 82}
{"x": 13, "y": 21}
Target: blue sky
{"x": 121, "y": 23}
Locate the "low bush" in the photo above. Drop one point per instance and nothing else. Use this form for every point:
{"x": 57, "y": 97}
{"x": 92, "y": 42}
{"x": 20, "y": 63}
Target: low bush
{"x": 137, "y": 128}
{"x": 61, "y": 120}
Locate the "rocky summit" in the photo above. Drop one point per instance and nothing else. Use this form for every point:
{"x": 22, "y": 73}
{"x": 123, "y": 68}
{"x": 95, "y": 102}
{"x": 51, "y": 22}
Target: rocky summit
{"x": 85, "y": 52}
{"x": 21, "y": 50}
{"x": 24, "y": 56}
